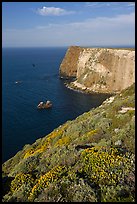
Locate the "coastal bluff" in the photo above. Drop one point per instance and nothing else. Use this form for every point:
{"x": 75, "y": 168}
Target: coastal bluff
{"x": 104, "y": 70}
{"x": 88, "y": 159}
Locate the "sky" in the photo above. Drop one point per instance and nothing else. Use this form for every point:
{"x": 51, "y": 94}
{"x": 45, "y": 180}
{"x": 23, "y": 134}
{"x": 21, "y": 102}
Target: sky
{"x": 57, "y": 24}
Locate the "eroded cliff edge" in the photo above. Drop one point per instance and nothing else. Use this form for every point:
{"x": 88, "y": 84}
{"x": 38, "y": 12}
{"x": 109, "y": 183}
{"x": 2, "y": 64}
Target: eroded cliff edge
{"x": 99, "y": 69}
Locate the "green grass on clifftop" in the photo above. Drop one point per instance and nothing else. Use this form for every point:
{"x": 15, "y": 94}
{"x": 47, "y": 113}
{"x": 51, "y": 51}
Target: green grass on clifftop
{"x": 89, "y": 159}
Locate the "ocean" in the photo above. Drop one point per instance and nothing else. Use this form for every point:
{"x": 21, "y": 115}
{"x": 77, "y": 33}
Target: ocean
{"x": 22, "y": 122}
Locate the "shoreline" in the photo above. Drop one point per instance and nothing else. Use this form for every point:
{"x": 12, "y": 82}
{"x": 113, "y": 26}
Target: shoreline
{"x": 75, "y": 86}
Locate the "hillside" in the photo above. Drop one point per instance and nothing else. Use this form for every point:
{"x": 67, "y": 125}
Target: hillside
{"x": 103, "y": 70}
{"x": 89, "y": 159}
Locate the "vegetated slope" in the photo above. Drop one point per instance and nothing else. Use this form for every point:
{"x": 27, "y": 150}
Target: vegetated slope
{"x": 91, "y": 158}
{"x": 102, "y": 70}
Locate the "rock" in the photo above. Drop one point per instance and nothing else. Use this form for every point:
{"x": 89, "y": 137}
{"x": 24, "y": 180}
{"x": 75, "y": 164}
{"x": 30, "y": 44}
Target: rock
{"x": 118, "y": 143}
{"x": 99, "y": 69}
{"x": 116, "y": 130}
{"x": 79, "y": 147}
{"x": 125, "y": 109}
{"x": 68, "y": 67}
{"x": 43, "y": 105}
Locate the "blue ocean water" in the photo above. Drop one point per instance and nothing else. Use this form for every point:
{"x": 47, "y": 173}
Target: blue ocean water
{"x": 22, "y": 122}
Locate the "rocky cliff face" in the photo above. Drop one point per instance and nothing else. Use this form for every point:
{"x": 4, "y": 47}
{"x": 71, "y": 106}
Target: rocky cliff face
{"x": 99, "y": 69}
{"x": 68, "y": 67}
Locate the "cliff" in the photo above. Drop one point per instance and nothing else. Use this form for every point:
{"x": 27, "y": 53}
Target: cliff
{"x": 99, "y": 69}
{"x": 68, "y": 67}
{"x": 89, "y": 159}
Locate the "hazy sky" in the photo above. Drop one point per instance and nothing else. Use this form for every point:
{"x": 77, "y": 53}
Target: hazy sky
{"x": 44, "y": 24}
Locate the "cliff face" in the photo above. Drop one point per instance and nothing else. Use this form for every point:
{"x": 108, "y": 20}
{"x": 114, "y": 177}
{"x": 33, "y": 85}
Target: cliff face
{"x": 89, "y": 159}
{"x": 99, "y": 69}
{"x": 68, "y": 67}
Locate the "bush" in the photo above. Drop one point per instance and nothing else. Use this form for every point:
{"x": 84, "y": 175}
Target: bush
{"x": 44, "y": 181}
{"x": 104, "y": 166}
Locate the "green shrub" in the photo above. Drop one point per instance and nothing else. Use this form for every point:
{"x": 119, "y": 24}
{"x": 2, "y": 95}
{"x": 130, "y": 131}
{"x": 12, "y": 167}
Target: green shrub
{"x": 105, "y": 166}
{"x": 44, "y": 181}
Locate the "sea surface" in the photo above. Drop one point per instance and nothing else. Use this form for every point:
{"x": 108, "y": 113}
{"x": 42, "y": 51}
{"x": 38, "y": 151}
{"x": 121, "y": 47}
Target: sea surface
{"x": 22, "y": 122}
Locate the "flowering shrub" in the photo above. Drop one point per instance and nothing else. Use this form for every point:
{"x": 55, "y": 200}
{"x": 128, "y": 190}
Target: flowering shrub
{"x": 44, "y": 181}
{"x": 32, "y": 152}
{"x": 108, "y": 169}
{"x": 62, "y": 141}
{"x": 92, "y": 132}
{"x": 19, "y": 180}
{"x": 104, "y": 165}
{"x": 47, "y": 142}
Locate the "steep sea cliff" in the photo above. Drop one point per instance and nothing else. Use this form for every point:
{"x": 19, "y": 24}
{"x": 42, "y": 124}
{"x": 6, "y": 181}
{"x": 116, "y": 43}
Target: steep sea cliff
{"x": 99, "y": 69}
{"x": 89, "y": 159}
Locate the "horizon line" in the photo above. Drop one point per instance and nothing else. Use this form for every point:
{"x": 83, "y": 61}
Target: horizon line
{"x": 69, "y": 46}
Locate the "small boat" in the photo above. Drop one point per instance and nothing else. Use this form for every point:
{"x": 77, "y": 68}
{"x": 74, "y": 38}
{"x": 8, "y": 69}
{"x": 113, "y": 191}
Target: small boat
{"x": 17, "y": 82}
{"x": 43, "y": 105}
{"x": 33, "y": 65}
